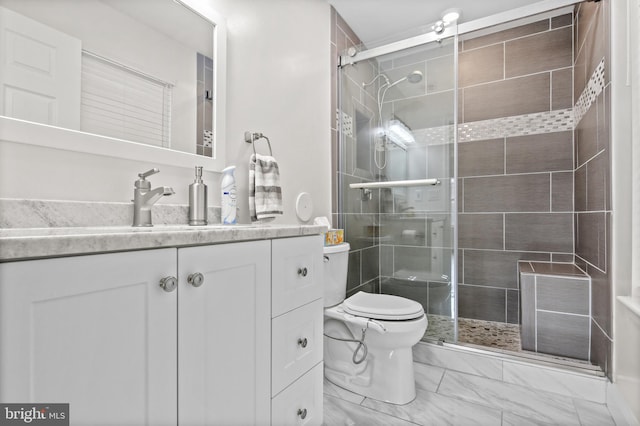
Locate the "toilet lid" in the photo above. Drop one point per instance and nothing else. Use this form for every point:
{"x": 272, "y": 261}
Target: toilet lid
{"x": 382, "y": 306}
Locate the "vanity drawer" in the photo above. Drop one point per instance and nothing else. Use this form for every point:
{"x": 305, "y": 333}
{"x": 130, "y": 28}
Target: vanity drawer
{"x": 297, "y": 272}
{"x": 296, "y": 344}
{"x": 300, "y": 403}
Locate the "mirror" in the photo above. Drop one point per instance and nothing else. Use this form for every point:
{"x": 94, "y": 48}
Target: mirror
{"x": 124, "y": 73}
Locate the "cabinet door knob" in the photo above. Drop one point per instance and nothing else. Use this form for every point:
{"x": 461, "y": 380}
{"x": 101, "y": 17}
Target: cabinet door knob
{"x": 302, "y": 413}
{"x": 196, "y": 279}
{"x": 168, "y": 284}
{"x": 303, "y": 271}
{"x": 302, "y": 342}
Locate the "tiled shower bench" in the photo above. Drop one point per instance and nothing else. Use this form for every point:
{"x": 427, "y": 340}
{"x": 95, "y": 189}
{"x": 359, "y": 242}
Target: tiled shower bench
{"x": 555, "y": 302}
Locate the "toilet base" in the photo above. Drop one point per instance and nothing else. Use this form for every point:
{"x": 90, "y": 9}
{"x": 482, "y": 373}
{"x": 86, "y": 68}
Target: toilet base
{"x": 386, "y": 373}
{"x": 388, "y": 376}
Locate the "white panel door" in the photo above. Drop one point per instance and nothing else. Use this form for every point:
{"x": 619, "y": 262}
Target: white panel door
{"x": 96, "y": 332}
{"x": 40, "y": 72}
{"x": 224, "y": 335}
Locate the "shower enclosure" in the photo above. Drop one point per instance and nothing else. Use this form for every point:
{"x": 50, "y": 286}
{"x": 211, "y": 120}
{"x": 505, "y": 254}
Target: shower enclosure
{"x": 470, "y": 157}
{"x": 397, "y": 177}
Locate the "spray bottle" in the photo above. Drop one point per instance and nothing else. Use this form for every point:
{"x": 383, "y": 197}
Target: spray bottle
{"x": 228, "y": 196}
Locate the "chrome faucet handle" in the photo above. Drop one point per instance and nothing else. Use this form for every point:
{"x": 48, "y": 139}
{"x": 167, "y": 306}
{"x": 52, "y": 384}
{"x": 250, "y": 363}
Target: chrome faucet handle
{"x": 143, "y": 184}
{"x": 148, "y": 173}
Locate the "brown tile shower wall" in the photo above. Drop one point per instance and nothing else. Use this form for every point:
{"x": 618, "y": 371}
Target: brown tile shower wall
{"x": 592, "y": 172}
{"x": 515, "y": 193}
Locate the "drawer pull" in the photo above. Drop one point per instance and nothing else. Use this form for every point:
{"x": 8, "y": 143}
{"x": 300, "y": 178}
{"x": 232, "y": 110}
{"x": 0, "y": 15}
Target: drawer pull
{"x": 168, "y": 284}
{"x": 302, "y": 413}
{"x": 303, "y": 343}
{"x": 196, "y": 279}
{"x": 303, "y": 271}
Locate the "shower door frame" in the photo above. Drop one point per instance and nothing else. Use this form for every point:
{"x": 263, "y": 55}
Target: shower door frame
{"x": 494, "y": 23}
{"x": 449, "y": 35}
{"x": 537, "y": 9}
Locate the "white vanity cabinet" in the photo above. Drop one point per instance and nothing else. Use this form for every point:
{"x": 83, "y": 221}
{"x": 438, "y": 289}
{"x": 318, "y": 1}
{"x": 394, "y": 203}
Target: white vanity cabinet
{"x": 101, "y": 333}
{"x": 297, "y": 311}
{"x": 95, "y": 331}
{"x": 224, "y": 335}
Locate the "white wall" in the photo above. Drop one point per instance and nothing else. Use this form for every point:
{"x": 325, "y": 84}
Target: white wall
{"x": 625, "y": 141}
{"x": 278, "y": 84}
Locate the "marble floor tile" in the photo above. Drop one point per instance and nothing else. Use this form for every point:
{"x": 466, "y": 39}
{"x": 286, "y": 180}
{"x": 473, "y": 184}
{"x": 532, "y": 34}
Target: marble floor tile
{"x": 458, "y": 360}
{"x": 338, "y": 412}
{"x": 510, "y": 419}
{"x": 543, "y": 406}
{"x": 553, "y": 380}
{"x": 457, "y": 387}
{"x": 428, "y": 377}
{"x": 337, "y": 391}
{"x": 434, "y": 409}
{"x": 593, "y": 414}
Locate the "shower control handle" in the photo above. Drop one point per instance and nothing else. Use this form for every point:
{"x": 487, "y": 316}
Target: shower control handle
{"x": 303, "y": 342}
{"x": 168, "y": 284}
{"x": 303, "y": 271}
{"x": 196, "y": 279}
{"x": 302, "y": 413}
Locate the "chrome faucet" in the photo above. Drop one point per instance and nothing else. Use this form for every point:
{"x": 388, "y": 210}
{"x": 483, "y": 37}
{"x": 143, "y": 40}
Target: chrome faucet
{"x": 144, "y": 198}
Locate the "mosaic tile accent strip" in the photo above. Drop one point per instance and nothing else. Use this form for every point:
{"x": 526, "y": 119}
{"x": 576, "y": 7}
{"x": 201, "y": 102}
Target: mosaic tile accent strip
{"x": 347, "y": 123}
{"x": 518, "y": 125}
{"x": 208, "y": 138}
{"x": 594, "y": 87}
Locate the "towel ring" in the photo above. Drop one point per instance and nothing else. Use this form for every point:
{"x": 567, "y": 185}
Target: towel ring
{"x": 253, "y": 137}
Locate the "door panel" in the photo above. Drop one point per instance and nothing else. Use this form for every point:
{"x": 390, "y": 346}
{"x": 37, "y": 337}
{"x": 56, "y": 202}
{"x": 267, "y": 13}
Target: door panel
{"x": 40, "y": 70}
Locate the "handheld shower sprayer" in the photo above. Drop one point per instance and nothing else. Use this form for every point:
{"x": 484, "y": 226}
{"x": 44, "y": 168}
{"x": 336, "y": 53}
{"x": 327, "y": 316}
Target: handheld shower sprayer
{"x": 413, "y": 77}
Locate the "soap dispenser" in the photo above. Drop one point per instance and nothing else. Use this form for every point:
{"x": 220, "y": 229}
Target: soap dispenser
{"x": 198, "y": 200}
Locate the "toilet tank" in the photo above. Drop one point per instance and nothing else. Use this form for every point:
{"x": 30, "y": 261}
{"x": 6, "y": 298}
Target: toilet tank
{"x": 336, "y": 262}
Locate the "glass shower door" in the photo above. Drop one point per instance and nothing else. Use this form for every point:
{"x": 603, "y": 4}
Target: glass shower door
{"x": 398, "y": 121}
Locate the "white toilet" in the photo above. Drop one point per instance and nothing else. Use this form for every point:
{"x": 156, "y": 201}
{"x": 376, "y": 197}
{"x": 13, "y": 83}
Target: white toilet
{"x": 382, "y": 367}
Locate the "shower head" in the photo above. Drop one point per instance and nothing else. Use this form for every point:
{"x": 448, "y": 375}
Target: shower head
{"x": 413, "y": 78}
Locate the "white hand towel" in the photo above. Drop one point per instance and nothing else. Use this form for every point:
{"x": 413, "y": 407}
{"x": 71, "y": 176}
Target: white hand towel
{"x": 265, "y": 193}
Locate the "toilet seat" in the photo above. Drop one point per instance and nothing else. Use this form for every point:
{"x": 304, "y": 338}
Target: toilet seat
{"x": 382, "y": 307}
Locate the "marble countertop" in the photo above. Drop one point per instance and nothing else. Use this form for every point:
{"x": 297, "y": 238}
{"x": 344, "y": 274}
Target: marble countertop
{"x": 32, "y": 243}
